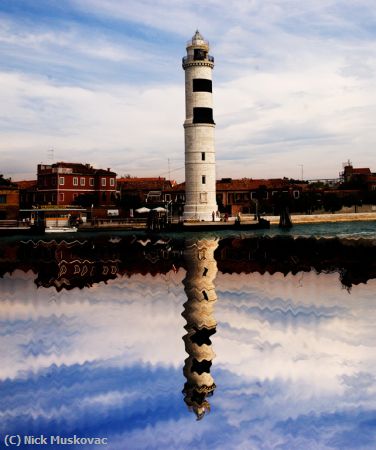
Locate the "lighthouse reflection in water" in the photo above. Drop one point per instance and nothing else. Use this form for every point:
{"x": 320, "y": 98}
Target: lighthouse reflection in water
{"x": 198, "y": 312}
{"x": 91, "y": 341}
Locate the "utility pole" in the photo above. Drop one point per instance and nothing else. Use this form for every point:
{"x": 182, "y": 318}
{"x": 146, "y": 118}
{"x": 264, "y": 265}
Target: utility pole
{"x": 301, "y": 168}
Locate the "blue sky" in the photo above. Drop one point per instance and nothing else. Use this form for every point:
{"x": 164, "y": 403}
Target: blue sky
{"x": 100, "y": 81}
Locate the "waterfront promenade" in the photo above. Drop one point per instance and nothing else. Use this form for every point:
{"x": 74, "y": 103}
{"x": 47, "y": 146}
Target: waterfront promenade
{"x": 134, "y": 224}
{"x": 329, "y": 217}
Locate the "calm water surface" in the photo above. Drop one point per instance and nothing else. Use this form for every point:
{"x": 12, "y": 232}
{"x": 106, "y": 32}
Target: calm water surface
{"x": 91, "y": 344}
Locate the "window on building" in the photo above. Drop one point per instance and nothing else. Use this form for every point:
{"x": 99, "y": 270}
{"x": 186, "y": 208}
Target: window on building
{"x": 202, "y": 85}
{"x": 61, "y": 196}
{"x": 82, "y": 181}
{"x": 202, "y": 115}
{"x": 167, "y": 197}
{"x": 75, "y": 181}
{"x": 112, "y": 181}
{"x": 203, "y": 179}
{"x": 103, "y": 181}
{"x": 53, "y": 197}
{"x": 75, "y": 195}
{"x": 103, "y": 196}
{"x": 203, "y": 197}
{"x": 3, "y": 198}
{"x": 296, "y": 194}
{"x": 199, "y": 54}
{"x": 61, "y": 181}
{"x": 91, "y": 181}
{"x": 202, "y": 156}
{"x": 253, "y": 195}
{"x": 53, "y": 181}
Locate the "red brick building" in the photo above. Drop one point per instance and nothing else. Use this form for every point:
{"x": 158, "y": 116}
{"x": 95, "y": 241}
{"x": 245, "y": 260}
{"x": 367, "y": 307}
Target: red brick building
{"x": 62, "y": 183}
{"x": 28, "y": 193}
{"x": 9, "y": 200}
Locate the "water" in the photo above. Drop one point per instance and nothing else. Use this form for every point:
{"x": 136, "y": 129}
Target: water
{"x": 278, "y": 348}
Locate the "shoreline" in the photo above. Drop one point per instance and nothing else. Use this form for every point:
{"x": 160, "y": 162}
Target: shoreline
{"x": 322, "y": 218}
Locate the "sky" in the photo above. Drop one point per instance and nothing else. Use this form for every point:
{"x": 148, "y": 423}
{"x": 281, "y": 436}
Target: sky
{"x": 101, "y": 82}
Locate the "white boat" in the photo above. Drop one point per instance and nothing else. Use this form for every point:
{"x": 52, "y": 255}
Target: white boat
{"x": 60, "y": 229}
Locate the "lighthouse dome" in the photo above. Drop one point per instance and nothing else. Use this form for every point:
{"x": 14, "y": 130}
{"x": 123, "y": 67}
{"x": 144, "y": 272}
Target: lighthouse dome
{"x": 197, "y": 38}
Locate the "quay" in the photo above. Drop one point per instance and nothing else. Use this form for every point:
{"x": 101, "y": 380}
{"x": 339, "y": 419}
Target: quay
{"x": 247, "y": 222}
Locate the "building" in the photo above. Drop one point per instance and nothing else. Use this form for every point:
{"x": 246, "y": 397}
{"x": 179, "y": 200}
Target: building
{"x": 241, "y": 195}
{"x": 9, "y": 200}
{"x": 28, "y": 193}
{"x": 199, "y": 131}
{"x": 136, "y": 191}
{"x": 360, "y": 177}
{"x": 63, "y": 183}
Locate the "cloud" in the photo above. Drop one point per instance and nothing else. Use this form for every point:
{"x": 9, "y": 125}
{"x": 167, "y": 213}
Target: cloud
{"x": 294, "y": 83}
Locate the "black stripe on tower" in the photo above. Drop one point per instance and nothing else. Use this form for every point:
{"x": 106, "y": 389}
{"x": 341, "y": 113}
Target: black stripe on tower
{"x": 202, "y": 85}
{"x": 203, "y": 115}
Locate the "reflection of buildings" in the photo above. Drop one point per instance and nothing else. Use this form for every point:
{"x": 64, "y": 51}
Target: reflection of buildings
{"x": 198, "y": 312}
{"x": 70, "y": 264}
{"x": 66, "y": 264}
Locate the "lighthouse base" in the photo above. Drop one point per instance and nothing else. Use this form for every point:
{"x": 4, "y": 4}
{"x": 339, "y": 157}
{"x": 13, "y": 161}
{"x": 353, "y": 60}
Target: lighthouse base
{"x": 200, "y": 212}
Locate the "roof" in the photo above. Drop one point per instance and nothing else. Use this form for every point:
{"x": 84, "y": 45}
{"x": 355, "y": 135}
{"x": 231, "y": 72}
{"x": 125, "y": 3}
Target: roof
{"x": 79, "y": 168}
{"x": 26, "y": 184}
{"x": 361, "y": 171}
{"x": 150, "y": 184}
{"x": 197, "y": 36}
{"x": 248, "y": 184}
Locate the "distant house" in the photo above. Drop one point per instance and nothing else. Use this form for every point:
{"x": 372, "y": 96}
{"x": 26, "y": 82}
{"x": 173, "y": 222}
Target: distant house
{"x": 9, "y": 200}
{"x": 62, "y": 183}
{"x": 360, "y": 177}
{"x": 145, "y": 190}
{"x": 28, "y": 193}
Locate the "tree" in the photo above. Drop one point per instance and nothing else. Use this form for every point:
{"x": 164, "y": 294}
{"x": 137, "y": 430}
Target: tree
{"x": 5, "y": 181}
{"x": 332, "y": 203}
{"x": 129, "y": 201}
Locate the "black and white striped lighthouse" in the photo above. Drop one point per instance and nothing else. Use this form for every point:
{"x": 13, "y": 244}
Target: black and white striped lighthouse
{"x": 200, "y": 178}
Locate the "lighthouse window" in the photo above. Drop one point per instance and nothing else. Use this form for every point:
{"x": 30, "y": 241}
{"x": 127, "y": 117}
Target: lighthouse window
{"x": 202, "y": 156}
{"x": 202, "y": 85}
{"x": 203, "y": 179}
{"x": 203, "y": 115}
{"x": 203, "y": 197}
{"x": 199, "y": 54}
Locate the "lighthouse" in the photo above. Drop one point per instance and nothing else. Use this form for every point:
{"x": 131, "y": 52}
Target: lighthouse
{"x": 200, "y": 197}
